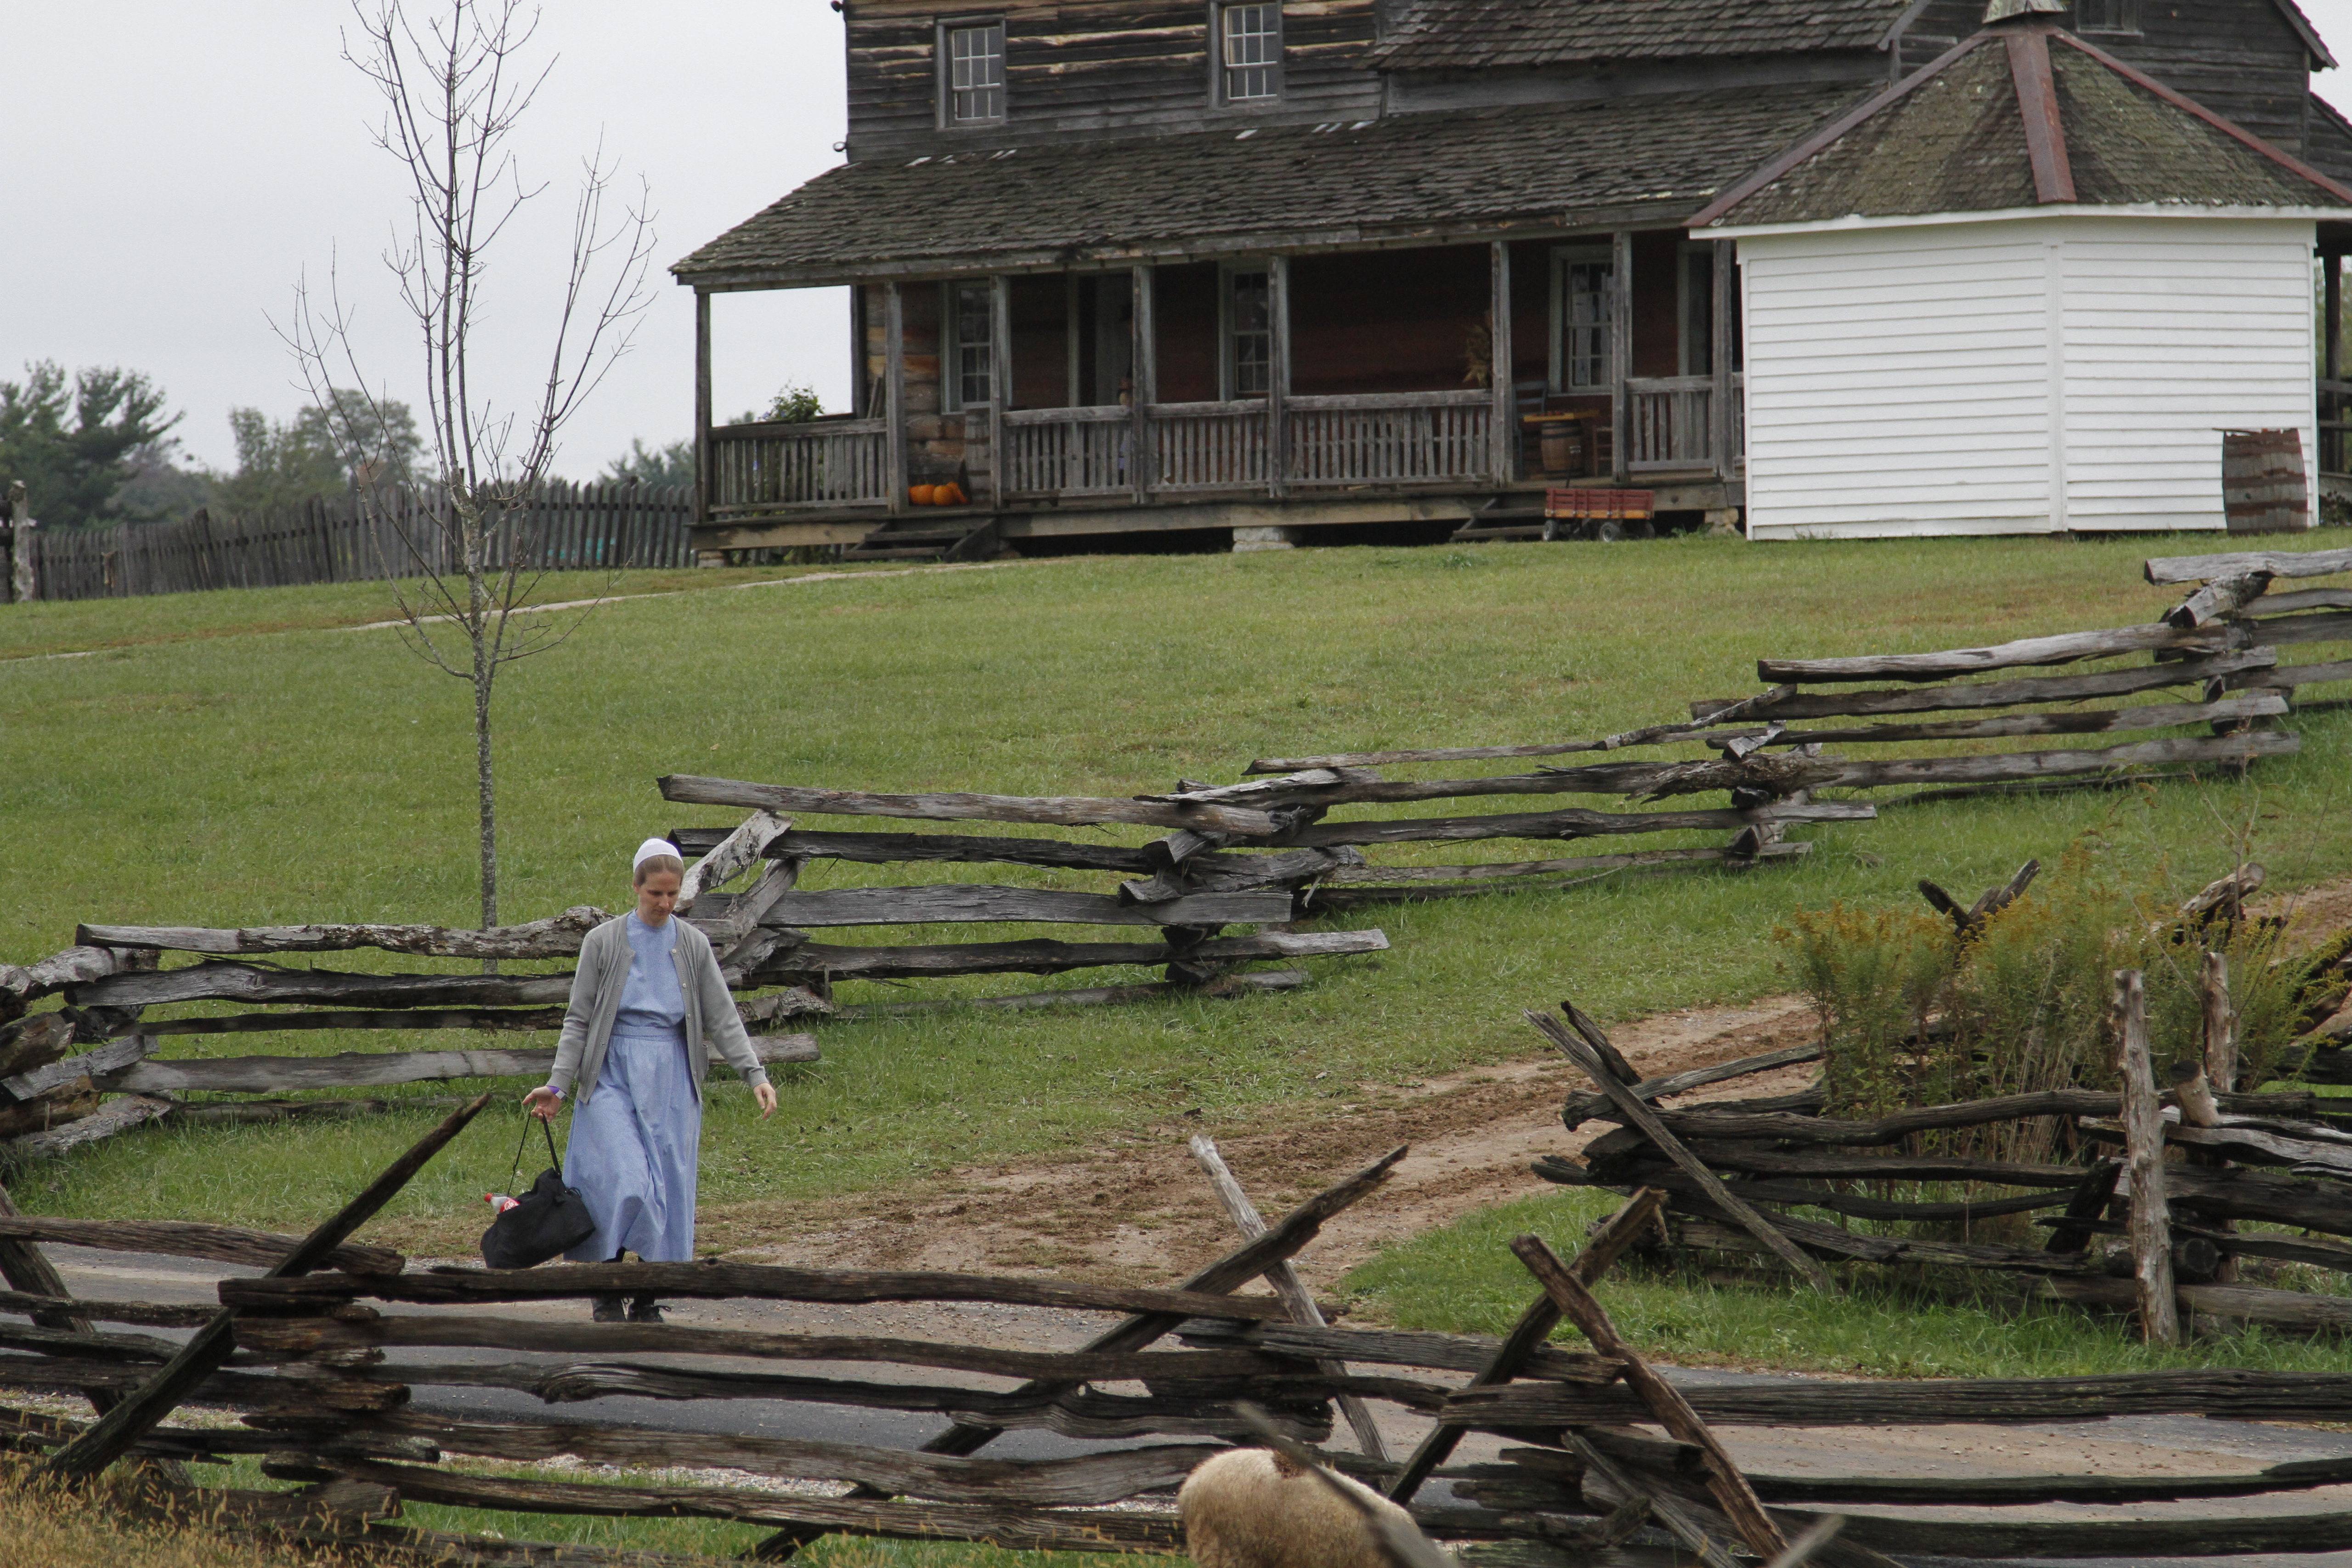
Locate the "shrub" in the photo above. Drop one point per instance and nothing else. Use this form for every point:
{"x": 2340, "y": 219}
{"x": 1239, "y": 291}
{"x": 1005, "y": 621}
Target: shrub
{"x": 1913, "y": 1014}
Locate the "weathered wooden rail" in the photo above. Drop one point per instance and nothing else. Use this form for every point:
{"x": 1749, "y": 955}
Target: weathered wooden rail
{"x": 322, "y": 1378}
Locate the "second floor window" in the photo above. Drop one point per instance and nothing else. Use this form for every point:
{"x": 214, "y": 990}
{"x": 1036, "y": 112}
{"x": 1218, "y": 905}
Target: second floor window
{"x": 2106, "y": 16}
{"x": 975, "y": 73}
{"x": 1250, "y": 45}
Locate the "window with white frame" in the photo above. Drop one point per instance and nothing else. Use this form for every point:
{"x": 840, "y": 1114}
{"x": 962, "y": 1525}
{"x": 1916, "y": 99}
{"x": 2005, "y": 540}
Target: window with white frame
{"x": 968, "y": 366}
{"x": 1249, "y": 334}
{"x": 2106, "y": 16}
{"x": 1582, "y": 312}
{"x": 972, "y": 72}
{"x": 1249, "y": 50}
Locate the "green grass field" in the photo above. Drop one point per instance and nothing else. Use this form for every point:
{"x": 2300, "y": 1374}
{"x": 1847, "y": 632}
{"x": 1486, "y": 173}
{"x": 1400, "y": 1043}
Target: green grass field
{"x": 187, "y": 772}
{"x": 235, "y": 758}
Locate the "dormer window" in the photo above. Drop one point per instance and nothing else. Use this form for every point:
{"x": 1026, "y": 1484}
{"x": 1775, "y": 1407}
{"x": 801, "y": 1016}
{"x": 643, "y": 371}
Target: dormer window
{"x": 971, "y": 72}
{"x": 2106, "y": 16}
{"x": 1249, "y": 52}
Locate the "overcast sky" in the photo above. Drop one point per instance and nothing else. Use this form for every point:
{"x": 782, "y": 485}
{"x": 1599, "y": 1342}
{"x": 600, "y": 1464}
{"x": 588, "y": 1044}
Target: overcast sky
{"x": 170, "y": 170}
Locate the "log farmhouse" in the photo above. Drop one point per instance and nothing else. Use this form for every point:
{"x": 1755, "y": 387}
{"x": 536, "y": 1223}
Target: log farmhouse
{"x": 1123, "y": 267}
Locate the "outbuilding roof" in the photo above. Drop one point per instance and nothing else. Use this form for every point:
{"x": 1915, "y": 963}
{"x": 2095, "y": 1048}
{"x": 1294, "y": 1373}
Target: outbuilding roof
{"x": 1399, "y": 179}
{"x": 2020, "y": 115}
{"x": 1479, "y": 35}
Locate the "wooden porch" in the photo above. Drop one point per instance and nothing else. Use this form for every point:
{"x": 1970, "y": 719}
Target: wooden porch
{"x": 1081, "y": 407}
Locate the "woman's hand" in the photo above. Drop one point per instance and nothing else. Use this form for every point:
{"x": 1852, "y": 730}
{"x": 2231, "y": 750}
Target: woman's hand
{"x": 543, "y": 1102}
{"x": 765, "y": 1093}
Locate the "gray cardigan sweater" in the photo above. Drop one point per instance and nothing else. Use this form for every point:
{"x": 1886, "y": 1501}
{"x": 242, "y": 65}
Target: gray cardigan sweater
{"x": 710, "y": 1016}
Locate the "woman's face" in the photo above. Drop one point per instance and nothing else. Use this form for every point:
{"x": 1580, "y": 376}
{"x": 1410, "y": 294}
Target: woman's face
{"x": 656, "y": 896}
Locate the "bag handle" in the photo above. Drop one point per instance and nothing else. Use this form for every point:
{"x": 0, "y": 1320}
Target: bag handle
{"x": 554, "y": 1159}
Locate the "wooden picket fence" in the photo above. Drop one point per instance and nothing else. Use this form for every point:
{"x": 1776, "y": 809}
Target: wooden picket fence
{"x": 353, "y": 539}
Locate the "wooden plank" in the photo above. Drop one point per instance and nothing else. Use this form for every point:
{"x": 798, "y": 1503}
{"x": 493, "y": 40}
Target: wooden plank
{"x": 204, "y": 1354}
{"x": 2234, "y": 707}
{"x": 1671, "y": 1511}
{"x": 20, "y": 983}
{"x": 2227, "y": 1394}
{"x": 1414, "y": 884}
{"x": 1143, "y": 356}
{"x": 1570, "y": 824}
{"x": 719, "y": 1281}
{"x": 106, "y": 1059}
{"x": 188, "y": 1239}
{"x": 1010, "y": 1528}
{"x": 2220, "y": 600}
{"x": 1581, "y": 1108}
{"x": 731, "y": 857}
{"x": 1223, "y": 986}
{"x": 705, "y": 478}
{"x": 1529, "y": 1337}
{"x": 479, "y": 1019}
{"x": 1588, "y": 1057}
{"x": 356, "y": 1069}
{"x": 216, "y": 981}
{"x": 1088, "y": 1480}
{"x": 1063, "y": 812}
{"x": 312, "y": 1336}
{"x": 2151, "y": 1235}
{"x": 2170, "y": 569}
{"x": 888, "y": 848}
{"x": 1788, "y": 702}
{"x": 1283, "y": 1278}
{"x": 1502, "y": 435}
{"x": 810, "y": 959}
{"x": 2068, "y": 647}
{"x": 556, "y": 937}
{"x": 115, "y": 1116}
{"x": 1665, "y": 1403}
{"x": 954, "y": 902}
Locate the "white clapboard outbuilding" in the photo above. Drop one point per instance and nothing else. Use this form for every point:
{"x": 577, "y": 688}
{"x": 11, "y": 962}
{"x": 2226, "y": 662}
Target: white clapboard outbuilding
{"x": 2024, "y": 289}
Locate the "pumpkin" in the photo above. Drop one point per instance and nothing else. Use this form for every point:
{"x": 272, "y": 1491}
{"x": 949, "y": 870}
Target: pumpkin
{"x": 950, "y": 495}
{"x": 922, "y": 495}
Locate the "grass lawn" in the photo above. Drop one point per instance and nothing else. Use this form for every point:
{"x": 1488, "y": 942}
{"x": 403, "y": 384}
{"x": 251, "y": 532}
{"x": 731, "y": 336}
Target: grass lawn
{"x": 309, "y": 774}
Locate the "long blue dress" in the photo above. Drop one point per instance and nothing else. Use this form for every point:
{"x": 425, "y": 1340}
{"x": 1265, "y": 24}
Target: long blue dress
{"x": 637, "y": 1139}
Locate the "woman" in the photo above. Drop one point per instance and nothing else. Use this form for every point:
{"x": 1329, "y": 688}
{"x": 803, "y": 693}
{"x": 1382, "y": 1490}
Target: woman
{"x": 647, "y": 1004}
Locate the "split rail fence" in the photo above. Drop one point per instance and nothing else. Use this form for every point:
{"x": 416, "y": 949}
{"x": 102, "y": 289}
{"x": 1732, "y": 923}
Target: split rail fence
{"x": 390, "y": 534}
{"x": 93, "y": 1067}
{"x": 1603, "y": 1459}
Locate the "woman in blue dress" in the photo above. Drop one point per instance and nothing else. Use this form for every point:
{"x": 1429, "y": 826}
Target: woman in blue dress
{"x": 648, "y": 1005}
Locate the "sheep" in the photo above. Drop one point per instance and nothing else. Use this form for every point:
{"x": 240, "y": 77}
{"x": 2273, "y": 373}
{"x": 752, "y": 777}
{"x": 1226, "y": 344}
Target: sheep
{"x": 1250, "y": 1507}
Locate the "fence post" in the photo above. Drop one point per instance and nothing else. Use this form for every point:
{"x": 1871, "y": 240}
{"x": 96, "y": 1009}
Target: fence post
{"x": 24, "y": 582}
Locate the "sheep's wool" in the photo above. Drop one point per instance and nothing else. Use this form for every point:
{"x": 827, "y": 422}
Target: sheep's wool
{"x": 1245, "y": 1509}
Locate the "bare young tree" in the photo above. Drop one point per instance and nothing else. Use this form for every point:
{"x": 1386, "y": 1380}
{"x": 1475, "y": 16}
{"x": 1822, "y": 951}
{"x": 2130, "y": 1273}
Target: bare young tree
{"x": 454, "y": 86}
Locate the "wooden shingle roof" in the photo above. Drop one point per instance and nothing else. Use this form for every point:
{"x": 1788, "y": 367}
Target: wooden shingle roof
{"x": 2020, "y": 115}
{"x": 1479, "y": 35}
{"x": 1619, "y": 162}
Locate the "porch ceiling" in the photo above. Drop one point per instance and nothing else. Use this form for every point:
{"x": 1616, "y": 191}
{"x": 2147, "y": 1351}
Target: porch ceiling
{"x": 1631, "y": 163}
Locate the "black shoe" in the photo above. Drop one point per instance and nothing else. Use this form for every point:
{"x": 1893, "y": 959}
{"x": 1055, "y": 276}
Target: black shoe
{"x": 644, "y": 1309}
{"x": 609, "y": 1310}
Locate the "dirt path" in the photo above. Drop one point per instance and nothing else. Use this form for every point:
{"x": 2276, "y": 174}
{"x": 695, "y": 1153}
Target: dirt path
{"x": 1143, "y": 1212}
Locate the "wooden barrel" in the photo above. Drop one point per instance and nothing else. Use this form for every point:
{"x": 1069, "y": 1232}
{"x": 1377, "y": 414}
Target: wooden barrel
{"x": 2263, "y": 489}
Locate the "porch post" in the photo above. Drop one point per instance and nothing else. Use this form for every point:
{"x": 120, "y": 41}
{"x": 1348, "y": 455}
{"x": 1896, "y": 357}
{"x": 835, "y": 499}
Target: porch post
{"x": 2331, "y": 443}
{"x": 702, "y": 475}
{"x": 1277, "y": 377}
{"x": 1144, "y": 379}
{"x": 1000, "y": 379}
{"x": 894, "y": 392}
{"x": 860, "y": 392}
{"x": 1506, "y": 402}
{"x": 1727, "y": 448}
{"x": 1621, "y": 352}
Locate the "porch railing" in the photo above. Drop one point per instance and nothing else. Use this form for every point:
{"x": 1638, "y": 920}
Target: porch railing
{"x": 820, "y": 463}
{"x": 1068, "y": 451}
{"x": 1670, "y": 422}
{"x": 1208, "y": 447}
{"x": 1397, "y": 437}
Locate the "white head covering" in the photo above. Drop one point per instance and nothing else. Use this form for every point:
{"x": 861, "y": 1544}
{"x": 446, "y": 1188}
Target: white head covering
{"x": 651, "y": 847}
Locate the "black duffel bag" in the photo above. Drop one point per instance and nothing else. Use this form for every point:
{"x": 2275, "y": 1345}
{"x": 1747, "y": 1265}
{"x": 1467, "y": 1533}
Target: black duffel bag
{"x": 544, "y": 1222}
